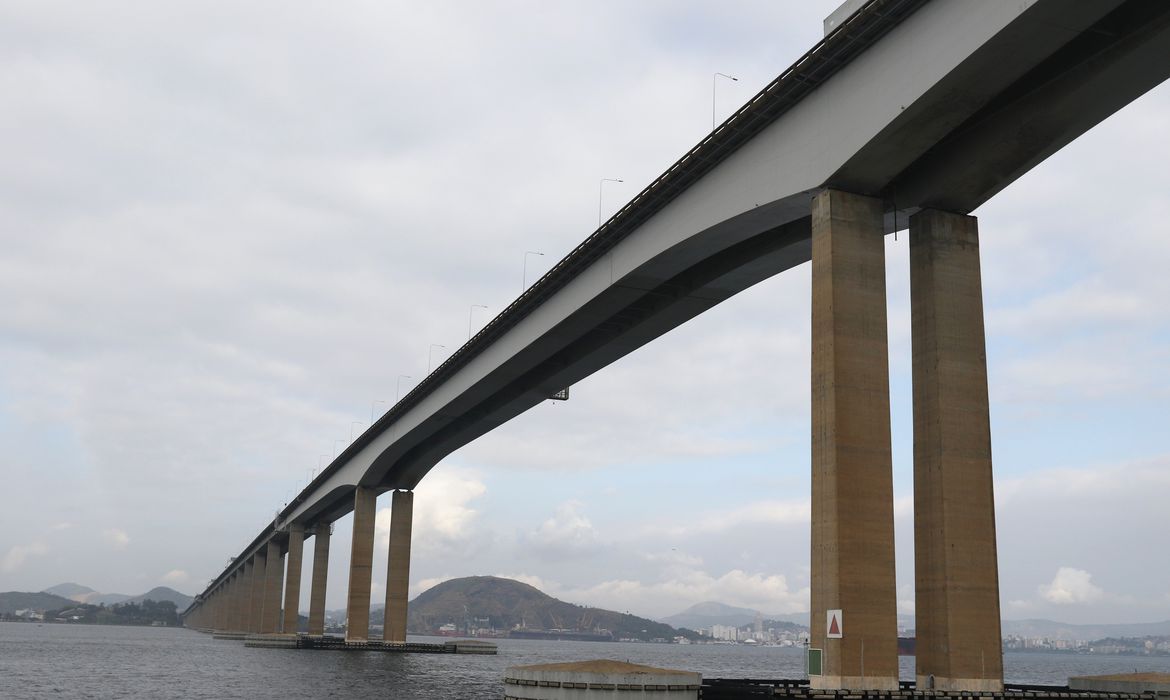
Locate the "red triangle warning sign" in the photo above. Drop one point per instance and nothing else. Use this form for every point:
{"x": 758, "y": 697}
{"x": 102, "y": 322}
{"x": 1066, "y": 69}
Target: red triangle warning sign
{"x": 834, "y": 625}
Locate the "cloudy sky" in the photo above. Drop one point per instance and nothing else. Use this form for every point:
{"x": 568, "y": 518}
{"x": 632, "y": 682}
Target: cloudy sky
{"x": 229, "y": 229}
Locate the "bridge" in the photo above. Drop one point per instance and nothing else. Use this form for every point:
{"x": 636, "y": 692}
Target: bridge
{"x": 909, "y": 113}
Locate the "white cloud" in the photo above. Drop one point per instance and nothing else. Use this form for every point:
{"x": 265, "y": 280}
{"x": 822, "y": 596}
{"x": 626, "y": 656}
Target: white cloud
{"x": 568, "y": 533}
{"x": 116, "y": 537}
{"x": 906, "y": 599}
{"x": 443, "y": 516}
{"x": 176, "y": 576}
{"x": 776, "y": 512}
{"x": 18, "y": 554}
{"x": 1071, "y": 586}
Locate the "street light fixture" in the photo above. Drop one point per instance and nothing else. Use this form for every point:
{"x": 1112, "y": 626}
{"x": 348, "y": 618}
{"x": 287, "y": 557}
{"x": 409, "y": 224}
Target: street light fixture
{"x": 524, "y": 284}
{"x": 398, "y": 386}
{"x": 353, "y": 423}
{"x": 469, "y": 314}
{"x": 431, "y": 355}
{"x": 374, "y": 403}
{"x": 600, "y": 186}
{"x": 714, "y": 81}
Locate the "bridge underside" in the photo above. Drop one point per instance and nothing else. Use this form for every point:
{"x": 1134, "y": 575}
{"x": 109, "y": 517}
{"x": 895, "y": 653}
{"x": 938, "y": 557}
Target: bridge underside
{"x": 1052, "y": 71}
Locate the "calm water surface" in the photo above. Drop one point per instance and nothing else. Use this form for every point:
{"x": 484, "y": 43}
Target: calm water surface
{"x": 64, "y": 661}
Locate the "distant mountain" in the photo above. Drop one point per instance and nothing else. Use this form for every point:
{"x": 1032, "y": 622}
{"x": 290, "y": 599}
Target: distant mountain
{"x": 1088, "y": 633}
{"x": 505, "y": 603}
{"x": 703, "y": 615}
{"x": 85, "y": 594}
{"x": 12, "y": 601}
{"x": 72, "y": 591}
{"x": 162, "y": 593}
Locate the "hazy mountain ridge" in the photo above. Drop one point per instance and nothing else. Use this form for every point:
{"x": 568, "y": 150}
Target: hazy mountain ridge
{"x": 11, "y": 601}
{"x": 64, "y": 594}
{"x": 703, "y": 615}
{"x": 1088, "y": 633}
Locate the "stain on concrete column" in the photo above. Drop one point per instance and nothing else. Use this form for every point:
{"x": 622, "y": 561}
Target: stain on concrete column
{"x": 256, "y": 595}
{"x": 320, "y": 578}
{"x": 955, "y": 564}
{"x": 361, "y": 565}
{"x": 852, "y": 473}
{"x": 292, "y": 580}
{"x": 398, "y": 566}
{"x": 273, "y": 585}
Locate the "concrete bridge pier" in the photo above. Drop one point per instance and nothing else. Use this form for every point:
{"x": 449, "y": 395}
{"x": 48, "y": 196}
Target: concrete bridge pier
{"x": 246, "y": 595}
{"x": 256, "y": 594}
{"x": 292, "y": 580}
{"x": 273, "y": 585}
{"x": 956, "y": 572}
{"x": 398, "y": 566}
{"x": 233, "y": 598}
{"x": 220, "y": 606}
{"x": 361, "y": 565}
{"x": 852, "y": 472}
{"x": 320, "y": 578}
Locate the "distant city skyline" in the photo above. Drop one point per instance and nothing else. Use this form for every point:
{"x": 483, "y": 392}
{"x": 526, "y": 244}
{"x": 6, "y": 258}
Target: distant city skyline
{"x": 230, "y": 231}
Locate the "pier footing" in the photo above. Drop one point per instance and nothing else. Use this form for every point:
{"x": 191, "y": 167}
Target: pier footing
{"x": 737, "y": 688}
{"x": 303, "y": 641}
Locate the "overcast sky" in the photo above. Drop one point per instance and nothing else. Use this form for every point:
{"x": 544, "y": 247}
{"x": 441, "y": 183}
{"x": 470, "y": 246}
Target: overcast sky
{"x": 227, "y": 229}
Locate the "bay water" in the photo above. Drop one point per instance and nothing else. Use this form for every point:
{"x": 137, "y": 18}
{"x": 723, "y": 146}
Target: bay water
{"x": 38, "y": 662}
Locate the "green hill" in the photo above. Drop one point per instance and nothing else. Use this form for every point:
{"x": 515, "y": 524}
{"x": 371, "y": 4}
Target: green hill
{"x": 506, "y": 604}
{"x": 163, "y": 593}
{"x": 12, "y": 601}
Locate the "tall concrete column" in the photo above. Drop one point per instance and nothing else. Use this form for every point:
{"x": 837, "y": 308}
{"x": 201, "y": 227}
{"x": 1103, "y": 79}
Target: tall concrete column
{"x": 361, "y": 565}
{"x": 220, "y": 601}
{"x": 233, "y": 600}
{"x": 955, "y": 565}
{"x": 256, "y": 596}
{"x": 292, "y": 580}
{"x": 320, "y": 578}
{"x": 398, "y": 566}
{"x": 273, "y": 585}
{"x": 852, "y": 475}
{"x": 245, "y": 595}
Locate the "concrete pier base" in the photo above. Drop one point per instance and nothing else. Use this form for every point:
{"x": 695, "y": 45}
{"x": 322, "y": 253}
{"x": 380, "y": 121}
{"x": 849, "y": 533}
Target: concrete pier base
{"x": 361, "y": 565}
{"x": 852, "y": 471}
{"x": 320, "y": 578}
{"x": 273, "y": 585}
{"x": 292, "y": 579}
{"x": 956, "y": 575}
{"x": 583, "y": 680}
{"x": 256, "y": 596}
{"x": 398, "y": 566}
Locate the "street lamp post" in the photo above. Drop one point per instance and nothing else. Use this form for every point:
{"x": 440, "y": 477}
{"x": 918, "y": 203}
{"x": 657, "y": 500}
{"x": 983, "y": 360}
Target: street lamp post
{"x": 431, "y": 355}
{"x": 714, "y": 81}
{"x": 374, "y": 403}
{"x": 600, "y": 186}
{"x": 524, "y": 284}
{"x": 398, "y": 386}
{"x": 351, "y": 425}
{"x": 469, "y": 314}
